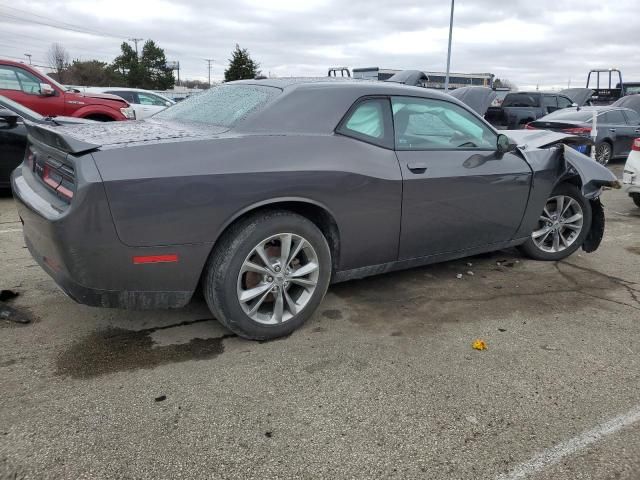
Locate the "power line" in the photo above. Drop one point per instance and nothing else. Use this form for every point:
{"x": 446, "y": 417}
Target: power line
{"x": 50, "y": 22}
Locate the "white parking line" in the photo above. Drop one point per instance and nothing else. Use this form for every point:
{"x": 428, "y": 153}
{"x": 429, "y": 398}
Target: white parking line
{"x": 11, "y": 230}
{"x": 555, "y": 454}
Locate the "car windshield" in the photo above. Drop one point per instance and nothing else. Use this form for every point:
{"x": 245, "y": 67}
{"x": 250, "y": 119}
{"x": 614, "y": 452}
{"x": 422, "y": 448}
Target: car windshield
{"x": 521, "y": 100}
{"x": 576, "y": 115}
{"x": 224, "y": 106}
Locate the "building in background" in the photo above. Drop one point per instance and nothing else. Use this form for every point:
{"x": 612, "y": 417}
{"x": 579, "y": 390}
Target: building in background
{"x": 436, "y": 79}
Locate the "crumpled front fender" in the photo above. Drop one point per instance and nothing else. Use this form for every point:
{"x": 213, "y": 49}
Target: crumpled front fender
{"x": 593, "y": 176}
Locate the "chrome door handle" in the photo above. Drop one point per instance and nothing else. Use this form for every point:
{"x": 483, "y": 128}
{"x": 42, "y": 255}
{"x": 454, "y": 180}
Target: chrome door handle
{"x": 612, "y": 130}
{"x": 417, "y": 167}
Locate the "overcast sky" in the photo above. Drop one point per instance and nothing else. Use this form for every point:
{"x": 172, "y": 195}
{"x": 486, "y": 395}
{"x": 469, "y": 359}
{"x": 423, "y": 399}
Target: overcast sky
{"x": 545, "y": 42}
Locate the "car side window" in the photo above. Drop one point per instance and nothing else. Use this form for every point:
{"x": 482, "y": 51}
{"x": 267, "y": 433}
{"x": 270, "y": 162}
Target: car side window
{"x": 128, "y": 96}
{"x": 8, "y": 79}
{"x": 28, "y": 83}
{"x": 633, "y": 118}
{"x": 370, "y": 121}
{"x": 428, "y": 124}
{"x": 564, "y": 102}
{"x": 550, "y": 103}
{"x": 150, "y": 99}
{"x": 614, "y": 117}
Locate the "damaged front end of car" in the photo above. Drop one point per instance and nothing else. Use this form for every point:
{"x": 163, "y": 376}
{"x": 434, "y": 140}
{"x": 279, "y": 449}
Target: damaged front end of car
{"x": 554, "y": 160}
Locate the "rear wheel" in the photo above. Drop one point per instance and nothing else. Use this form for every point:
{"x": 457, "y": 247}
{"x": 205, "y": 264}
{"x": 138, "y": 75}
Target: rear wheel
{"x": 562, "y": 227}
{"x": 604, "y": 152}
{"x": 268, "y": 275}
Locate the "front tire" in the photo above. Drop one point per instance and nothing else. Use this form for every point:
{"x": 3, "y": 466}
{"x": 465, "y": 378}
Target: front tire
{"x": 267, "y": 275}
{"x": 563, "y": 225}
{"x": 636, "y": 199}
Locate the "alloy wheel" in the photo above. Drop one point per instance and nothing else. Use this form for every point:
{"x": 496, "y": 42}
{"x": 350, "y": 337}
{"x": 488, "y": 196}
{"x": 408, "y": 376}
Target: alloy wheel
{"x": 603, "y": 153}
{"x": 278, "y": 278}
{"x": 560, "y": 224}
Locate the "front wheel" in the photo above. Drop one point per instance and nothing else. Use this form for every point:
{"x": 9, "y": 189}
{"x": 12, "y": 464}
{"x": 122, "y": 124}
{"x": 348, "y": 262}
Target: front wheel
{"x": 268, "y": 275}
{"x": 562, "y": 227}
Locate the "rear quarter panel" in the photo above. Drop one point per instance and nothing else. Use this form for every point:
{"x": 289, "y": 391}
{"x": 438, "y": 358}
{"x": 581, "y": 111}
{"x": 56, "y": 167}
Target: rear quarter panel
{"x": 189, "y": 192}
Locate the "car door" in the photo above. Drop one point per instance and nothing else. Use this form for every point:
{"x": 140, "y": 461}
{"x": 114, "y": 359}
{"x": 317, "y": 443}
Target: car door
{"x": 618, "y": 131}
{"x": 24, "y": 88}
{"x": 13, "y": 141}
{"x": 458, "y": 191}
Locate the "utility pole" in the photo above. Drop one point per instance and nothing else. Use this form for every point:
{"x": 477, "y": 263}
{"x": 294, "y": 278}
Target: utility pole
{"x": 446, "y": 78}
{"x": 136, "y": 40}
{"x": 209, "y": 61}
{"x": 28, "y": 55}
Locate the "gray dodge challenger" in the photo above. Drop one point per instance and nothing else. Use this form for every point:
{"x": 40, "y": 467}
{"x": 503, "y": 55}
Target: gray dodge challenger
{"x": 264, "y": 192}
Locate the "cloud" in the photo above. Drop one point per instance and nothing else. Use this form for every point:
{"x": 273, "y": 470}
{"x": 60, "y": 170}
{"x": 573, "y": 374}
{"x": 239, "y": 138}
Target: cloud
{"x": 544, "y": 42}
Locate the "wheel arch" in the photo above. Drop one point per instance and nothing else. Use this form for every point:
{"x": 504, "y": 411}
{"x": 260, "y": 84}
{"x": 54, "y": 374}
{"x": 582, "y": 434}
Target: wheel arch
{"x": 319, "y": 214}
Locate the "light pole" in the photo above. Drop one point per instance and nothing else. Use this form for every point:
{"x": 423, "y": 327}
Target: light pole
{"x": 209, "y": 60}
{"x": 446, "y": 78}
{"x": 28, "y": 55}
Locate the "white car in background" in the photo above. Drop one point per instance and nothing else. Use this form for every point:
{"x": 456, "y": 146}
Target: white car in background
{"x": 631, "y": 174}
{"x": 144, "y": 102}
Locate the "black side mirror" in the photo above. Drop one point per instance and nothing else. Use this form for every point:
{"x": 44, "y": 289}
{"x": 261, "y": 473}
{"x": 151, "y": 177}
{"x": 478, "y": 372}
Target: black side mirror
{"x": 8, "y": 116}
{"x": 504, "y": 145}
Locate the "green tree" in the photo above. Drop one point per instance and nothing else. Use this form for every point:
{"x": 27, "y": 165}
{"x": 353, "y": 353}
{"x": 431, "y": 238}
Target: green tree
{"x": 92, "y": 73}
{"x": 149, "y": 71}
{"x": 241, "y": 66}
{"x": 155, "y": 74}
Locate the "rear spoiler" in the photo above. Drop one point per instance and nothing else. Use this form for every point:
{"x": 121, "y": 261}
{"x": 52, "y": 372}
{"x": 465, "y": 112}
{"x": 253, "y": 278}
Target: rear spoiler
{"x": 57, "y": 138}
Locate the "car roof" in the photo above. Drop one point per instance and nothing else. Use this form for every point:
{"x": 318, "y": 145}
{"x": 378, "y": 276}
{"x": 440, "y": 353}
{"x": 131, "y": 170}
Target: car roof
{"x": 364, "y": 87}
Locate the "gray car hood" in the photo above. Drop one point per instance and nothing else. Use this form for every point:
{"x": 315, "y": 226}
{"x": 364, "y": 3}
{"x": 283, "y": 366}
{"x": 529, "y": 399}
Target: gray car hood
{"x": 630, "y": 101}
{"x": 593, "y": 175}
{"x": 477, "y": 98}
{"x": 86, "y": 137}
{"x": 580, "y": 96}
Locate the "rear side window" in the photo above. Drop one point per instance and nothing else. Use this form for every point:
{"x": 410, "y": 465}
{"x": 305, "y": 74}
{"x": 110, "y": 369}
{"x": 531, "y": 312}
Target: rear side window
{"x": 128, "y": 96}
{"x": 521, "y": 100}
{"x": 614, "y": 117}
{"x": 17, "y": 79}
{"x": 633, "y": 118}
{"x": 370, "y": 121}
{"x": 224, "y": 106}
{"x": 550, "y": 101}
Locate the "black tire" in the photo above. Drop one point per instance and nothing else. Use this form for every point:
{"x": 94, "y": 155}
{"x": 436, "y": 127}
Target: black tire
{"x": 636, "y": 199}
{"x": 223, "y": 268}
{"x": 532, "y": 250}
{"x": 604, "y": 153}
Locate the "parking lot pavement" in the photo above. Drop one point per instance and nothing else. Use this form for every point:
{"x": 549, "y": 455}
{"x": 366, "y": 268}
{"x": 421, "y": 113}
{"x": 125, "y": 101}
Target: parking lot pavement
{"x": 381, "y": 382}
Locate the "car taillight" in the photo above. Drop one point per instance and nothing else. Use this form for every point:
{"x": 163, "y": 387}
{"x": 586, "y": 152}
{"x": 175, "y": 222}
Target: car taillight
{"x": 636, "y": 145}
{"x": 578, "y": 130}
{"x": 528, "y": 126}
{"x": 56, "y": 175}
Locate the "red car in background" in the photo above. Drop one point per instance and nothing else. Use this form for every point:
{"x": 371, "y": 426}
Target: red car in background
{"x": 41, "y": 93}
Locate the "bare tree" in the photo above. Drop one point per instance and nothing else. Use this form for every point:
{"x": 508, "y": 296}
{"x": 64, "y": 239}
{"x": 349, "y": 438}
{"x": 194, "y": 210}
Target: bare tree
{"x": 58, "y": 58}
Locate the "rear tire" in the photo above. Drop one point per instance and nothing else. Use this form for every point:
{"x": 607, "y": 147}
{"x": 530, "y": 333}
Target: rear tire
{"x": 563, "y": 226}
{"x": 256, "y": 289}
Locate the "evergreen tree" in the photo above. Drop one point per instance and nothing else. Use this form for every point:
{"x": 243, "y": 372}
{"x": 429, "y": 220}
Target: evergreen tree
{"x": 149, "y": 71}
{"x": 241, "y": 66}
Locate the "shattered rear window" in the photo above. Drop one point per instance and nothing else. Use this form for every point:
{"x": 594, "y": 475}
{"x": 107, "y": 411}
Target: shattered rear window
{"x": 225, "y": 105}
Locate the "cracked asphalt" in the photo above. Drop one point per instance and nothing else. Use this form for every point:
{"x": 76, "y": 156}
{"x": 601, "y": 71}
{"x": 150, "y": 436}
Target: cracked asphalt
{"x": 381, "y": 383}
